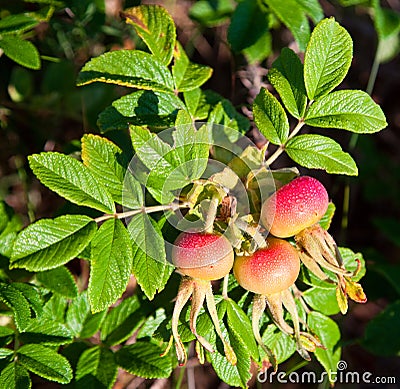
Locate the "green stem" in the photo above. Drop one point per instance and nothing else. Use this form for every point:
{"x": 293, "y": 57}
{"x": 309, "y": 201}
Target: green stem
{"x": 281, "y": 148}
{"x": 178, "y": 383}
{"x": 152, "y": 209}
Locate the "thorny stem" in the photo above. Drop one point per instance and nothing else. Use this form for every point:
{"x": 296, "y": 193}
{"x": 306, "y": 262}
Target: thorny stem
{"x": 152, "y": 209}
{"x": 281, "y": 148}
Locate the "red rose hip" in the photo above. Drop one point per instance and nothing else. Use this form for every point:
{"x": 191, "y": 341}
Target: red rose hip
{"x": 294, "y": 207}
{"x": 268, "y": 270}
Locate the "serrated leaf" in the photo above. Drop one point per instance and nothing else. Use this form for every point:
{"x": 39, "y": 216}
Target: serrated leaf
{"x": 45, "y": 362}
{"x": 21, "y": 51}
{"x": 234, "y": 375}
{"x": 351, "y": 110}
{"x": 32, "y": 294}
{"x": 9, "y": 235}
{"x": 150, "y": 108}
{"x": 151, "y": 324}
{"x": 327, "y": 58}
{"x": 286, "y": 76}
{"x": 55, "y": 308}
{"x": 282, "y": 345}
{"x": 59, "y": 281}
{"x": 143, "y": 359}
{"x": 71, "y": 180}
{"x": 78, "y": 310}
{"x": 329, "y": 334}
{"x": 96, "y": 368}
{"x": 312, "y": 8}
{"x": 320, "y": 152}
{"x": 155, "y": 26}
{"x": 351, "y": 262}
{"x": 197, "y": 103}
{"x": 131, "y": 68}
{"x": 6, "y": 335}
{"x": 104, "y": 159}
{"x": 122, "y": 321}
{"x": 149, "y": 257}
{"x": 379, "y": 334}
{"x": 12, "y": 24}
{"x": 15, "y": 376}
{"x": 326, "y": 220}
{"x": 211, "y": 13}
{"x": 46, "y": 332}
{"x": 6, "y": 353}
{"x": 248, "y": 25}
{"x": 16, "y": 301}
{"x": 111, "y": 264}
{"x": 240, "y": 323}
{"x": 188, "y": 75}
{"x": 322, "y": 300}
{"x": 293, "y": 17}
{"x": 49, "y": 243}
{"x": 270, "y": 117}
{"x": 92, "y": 324}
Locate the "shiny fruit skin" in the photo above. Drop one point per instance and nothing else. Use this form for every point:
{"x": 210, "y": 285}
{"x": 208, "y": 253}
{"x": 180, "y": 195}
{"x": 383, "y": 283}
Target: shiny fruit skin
{"x": 202, "y": 255}
{"x": 268, "y": 270}
{"x": 295, "y": 206}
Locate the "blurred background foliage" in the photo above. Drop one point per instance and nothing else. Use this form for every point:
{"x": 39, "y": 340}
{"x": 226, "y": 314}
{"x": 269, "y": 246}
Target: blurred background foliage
{"x": 44, "y": 43}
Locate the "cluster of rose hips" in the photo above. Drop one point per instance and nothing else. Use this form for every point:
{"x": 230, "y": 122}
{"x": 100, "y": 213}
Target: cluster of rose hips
{"x": 270, "y": 272}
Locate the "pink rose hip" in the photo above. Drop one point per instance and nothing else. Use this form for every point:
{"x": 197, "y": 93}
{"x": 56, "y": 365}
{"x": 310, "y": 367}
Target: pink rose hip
{"x": 295, "y": 207}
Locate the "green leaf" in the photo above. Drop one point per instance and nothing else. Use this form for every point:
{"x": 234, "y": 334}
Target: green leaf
{"x": 188, "y": 75}
{"x": 327, "y": 59}
{"x": 143, "y": 359}
{"x": 92, "y": 324}
{"x": 45, "y": 362}
{"x": 149, "y": 257}
{"x": 6, "y": 353}
{"x": 71, "y": 180}
{"x": 350, "y": 262}
{"x": 77, "y": 312}
{"x": 104, "y": 159}
{"x": 270, "y": 117}
{"x": 55, "y": 308}
{"x": 151, "y": 108}
{"x": 134, "y": 69}
{"x": 59, "y": 280}
{"x": 240, "y": 323}
{"x": 351, "y": 110}
{"x": 122, "y": 321}
{"x": 211, "y": 13}
{"x": 312, "y": 8}
{"x": 15, "y": 376}
{"x": 16, "y": 24}
{"x": 49, "y": 243}
{"x": 21, "y": 51}
{"x": 380, "y": 338}
{"x": 110, "y": 265}
{"x": 32, "y": 294}
{"x": 96, "y": 368}
{"x": 320, "y": 152}
{"x": 280, "y": 343}
{"x": 248, "y": 31}
{"x": 197, "y": 103}
{"x": 293, "y": 17}
{"x": 286, "y": 76}
{"x": 157, "y": 29}
{"x": 9, "y": 235}
{"x": 151, "y": 324}
{"x": 386, "y": 21}
{"x": 329, "y": 335}
{"x": 326, "y": 220}
{"x": 16, "y": 301}
{"x": 322, "y": 300}
{"x": 46, "y": 332}
{"x": 6, "y": 335}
